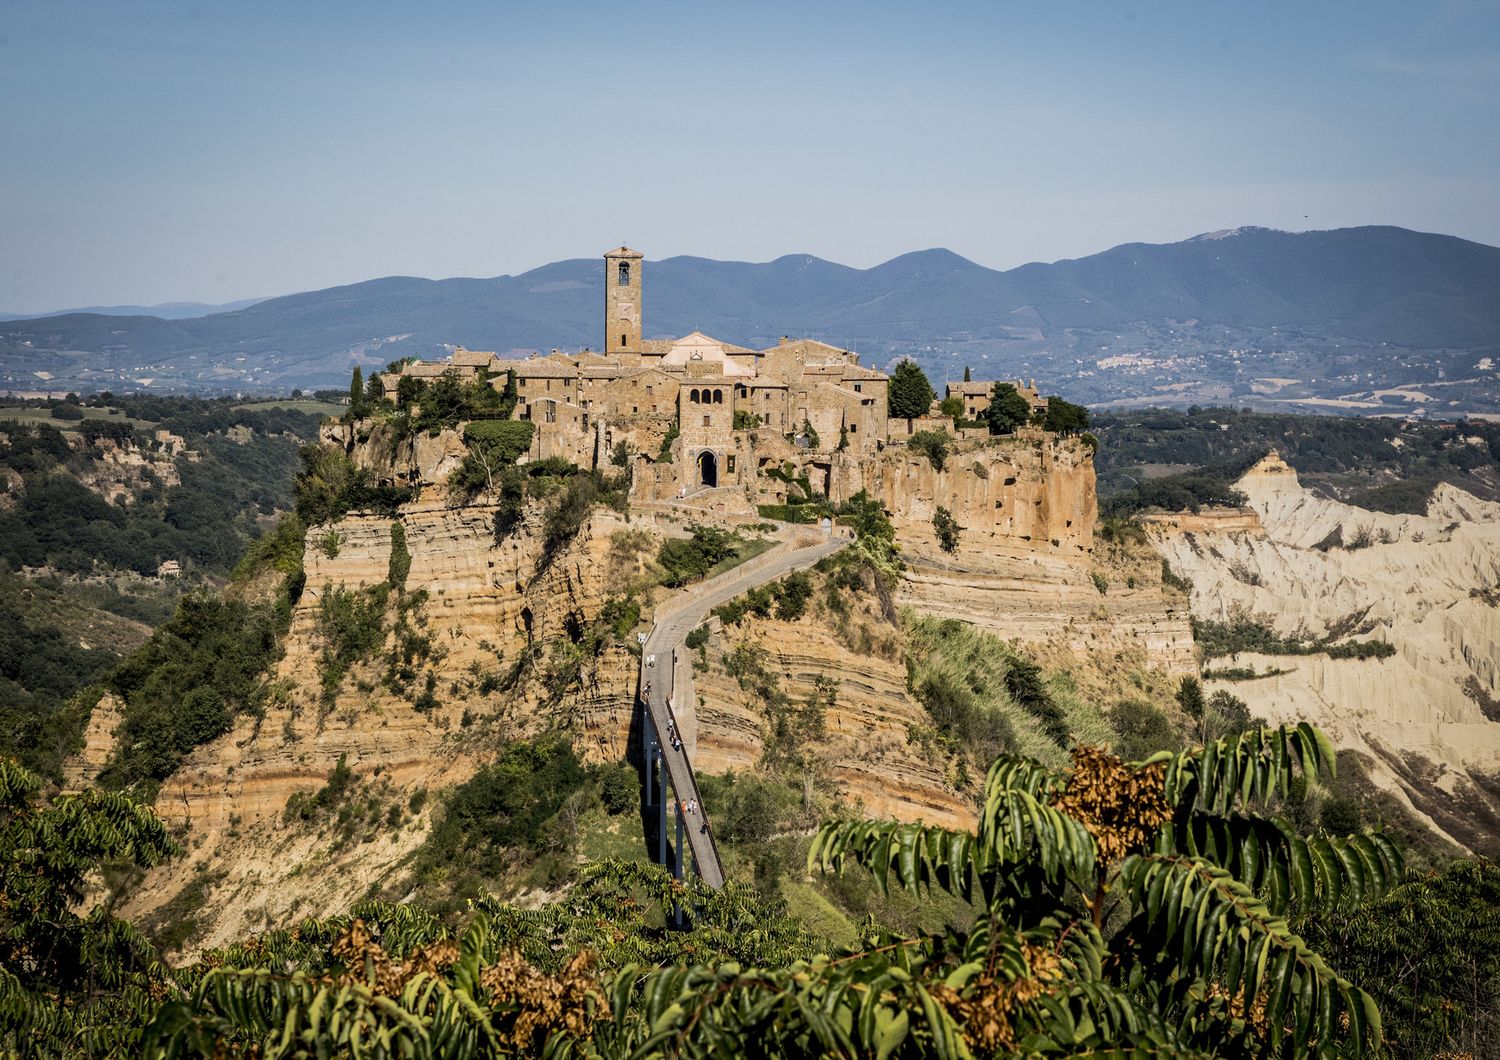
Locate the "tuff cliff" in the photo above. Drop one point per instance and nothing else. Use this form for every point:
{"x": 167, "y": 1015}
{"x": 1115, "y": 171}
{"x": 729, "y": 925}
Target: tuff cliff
{"x": 500, "y": 627}
{"x": 486, "y": 637}
{"x": 1027, "y": 566}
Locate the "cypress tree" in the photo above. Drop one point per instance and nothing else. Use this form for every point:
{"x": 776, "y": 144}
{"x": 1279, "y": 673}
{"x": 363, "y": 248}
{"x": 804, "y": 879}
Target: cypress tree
{"x": 910, "y": 393}
{"x": 357, "y": 391}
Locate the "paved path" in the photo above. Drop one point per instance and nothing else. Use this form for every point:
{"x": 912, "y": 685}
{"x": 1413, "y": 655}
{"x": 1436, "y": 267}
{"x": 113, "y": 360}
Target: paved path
{"x": 674, "y": 621}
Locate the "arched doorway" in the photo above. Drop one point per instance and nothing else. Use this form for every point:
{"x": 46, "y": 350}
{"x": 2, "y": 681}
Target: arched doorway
{"x": 708, "y": 468}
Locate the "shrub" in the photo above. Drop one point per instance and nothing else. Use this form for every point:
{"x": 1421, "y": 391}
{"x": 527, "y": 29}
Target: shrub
{"x": 1143, "y": 730}
{"x": 620, "y": 789}
{"x": 931, "y": 444}
{"x": 400, "y": 562}
{"x": 687, "y": 559}
{"x": 697, "y": 638}
{"x": 947, "y": 529}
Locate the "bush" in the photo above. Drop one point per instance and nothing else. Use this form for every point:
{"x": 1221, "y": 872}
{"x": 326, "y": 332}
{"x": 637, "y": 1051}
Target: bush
{"x": 697, "y": 638}
{"x": 933, "y": 445}
{"x": 505, "y": 804}
{"x": 687, "y": 559}
{"x": 620, "y": 789}
{"x": 946, "y": 528}
{"x": 1143, "y": 730}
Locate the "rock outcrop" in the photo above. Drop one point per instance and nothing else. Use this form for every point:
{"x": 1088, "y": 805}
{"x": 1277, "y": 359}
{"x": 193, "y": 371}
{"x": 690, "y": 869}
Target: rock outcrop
{"x": 1428, "y": 716}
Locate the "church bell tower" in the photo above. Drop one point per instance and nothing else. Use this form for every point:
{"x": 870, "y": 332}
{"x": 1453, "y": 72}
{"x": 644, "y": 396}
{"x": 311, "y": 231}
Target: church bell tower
{"x": 622, "y": 302}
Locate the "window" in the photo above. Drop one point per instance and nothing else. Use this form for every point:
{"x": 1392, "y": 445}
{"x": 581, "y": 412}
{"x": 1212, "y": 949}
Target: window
{"x": 707, "y": 421}
{"x": 624, "y": 277}
{"x": 718, "y": 397}
{"x": 729, "y": 464}
{"x": 859, "y": 388}
{"x": 853, "y": 428}
{"x": 622, "y": 340}
{"x": 693, "y": 396}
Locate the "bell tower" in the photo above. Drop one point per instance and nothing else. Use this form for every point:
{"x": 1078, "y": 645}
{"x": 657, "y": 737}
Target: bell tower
{"x": 622, "y": 302}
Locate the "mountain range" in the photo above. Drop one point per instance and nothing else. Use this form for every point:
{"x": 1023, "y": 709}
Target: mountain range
{"x": 1406, "y": 302}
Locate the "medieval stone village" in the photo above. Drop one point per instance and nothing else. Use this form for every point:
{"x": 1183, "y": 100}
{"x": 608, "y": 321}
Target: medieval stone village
{"x": 720, "y": 427}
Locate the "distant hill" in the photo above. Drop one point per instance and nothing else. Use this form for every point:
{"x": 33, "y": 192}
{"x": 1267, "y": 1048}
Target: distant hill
{"x": 165, "y": 310}
{"x": 1342, "y": 289}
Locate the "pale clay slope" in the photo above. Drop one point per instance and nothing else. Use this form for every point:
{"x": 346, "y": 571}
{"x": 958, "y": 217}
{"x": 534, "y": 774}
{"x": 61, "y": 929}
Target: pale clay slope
{"x": 1411, "y": 587}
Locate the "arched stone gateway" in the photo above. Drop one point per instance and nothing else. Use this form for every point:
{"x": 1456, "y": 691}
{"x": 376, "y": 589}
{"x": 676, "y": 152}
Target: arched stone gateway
{"x": 708, "y": 468}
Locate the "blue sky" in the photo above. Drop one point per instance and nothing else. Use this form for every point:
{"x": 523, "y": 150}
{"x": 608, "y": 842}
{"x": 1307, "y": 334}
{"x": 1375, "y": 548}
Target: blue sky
{"x": 203, "y": 150}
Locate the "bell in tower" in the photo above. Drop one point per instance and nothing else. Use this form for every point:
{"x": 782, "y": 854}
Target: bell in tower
{"x": 622, "y": 302}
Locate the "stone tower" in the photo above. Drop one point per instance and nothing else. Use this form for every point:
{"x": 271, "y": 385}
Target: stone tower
{"x": 622, "y": 302}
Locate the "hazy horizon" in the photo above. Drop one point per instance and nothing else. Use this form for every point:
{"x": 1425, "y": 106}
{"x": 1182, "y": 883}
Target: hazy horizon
{"x": 209, "y": 152}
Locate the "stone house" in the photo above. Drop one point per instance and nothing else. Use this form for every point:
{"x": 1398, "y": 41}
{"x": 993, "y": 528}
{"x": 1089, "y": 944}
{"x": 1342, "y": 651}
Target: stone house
{"x": 976, "y": 396}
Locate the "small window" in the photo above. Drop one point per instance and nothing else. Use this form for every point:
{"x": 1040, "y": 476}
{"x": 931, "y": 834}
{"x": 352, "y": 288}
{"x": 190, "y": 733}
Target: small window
{"x": 707, "y": 421}
{"x": 853, "y": 428}
{"x": 624, "y": 274}
{"x": 693, "y": 396}
{"x": 634, "y": 409}
{"x": 718, "y": 397}
{"x": 859, "y": 388}
{"x": 729, "y": 464}
{"x": 622, "y": 341}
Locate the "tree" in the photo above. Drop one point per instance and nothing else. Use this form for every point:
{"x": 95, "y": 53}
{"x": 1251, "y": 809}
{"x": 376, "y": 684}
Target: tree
{"x": 1008, "y": 409}
{"x": 74, "y": 982}
{"x": 492, "y": 446}
{"x": 946, "y": 527}
{"x": 966, "y": 374}
{"x": 1198, "y": 880}
{"x": 910, "y": 393}
{"x": 1190, "y": 696}
{"x": 952, "y": 407}
{"x": 1064, "y": 417}
{"x": 357, "y": 393}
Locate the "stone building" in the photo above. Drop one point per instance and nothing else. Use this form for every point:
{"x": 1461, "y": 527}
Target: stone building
{"x": 976, "y": 396}
{"x": 709, "y": 402}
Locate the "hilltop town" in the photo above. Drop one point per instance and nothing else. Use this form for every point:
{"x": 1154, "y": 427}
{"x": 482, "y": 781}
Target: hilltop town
{"x": 702, "y": 420}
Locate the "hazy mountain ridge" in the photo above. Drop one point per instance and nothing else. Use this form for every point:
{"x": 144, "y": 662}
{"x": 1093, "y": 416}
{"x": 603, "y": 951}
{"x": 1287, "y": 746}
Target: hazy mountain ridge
{"x": 1356, "y": 290}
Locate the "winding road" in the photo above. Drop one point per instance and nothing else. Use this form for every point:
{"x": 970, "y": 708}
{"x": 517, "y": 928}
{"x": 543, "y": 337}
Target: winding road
{"x": 673, "y": 622}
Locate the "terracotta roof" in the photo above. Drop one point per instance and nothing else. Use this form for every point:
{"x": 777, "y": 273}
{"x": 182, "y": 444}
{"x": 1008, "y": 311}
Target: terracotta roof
{"x": 475, "y": 358}
{"x": 623, "y": 252}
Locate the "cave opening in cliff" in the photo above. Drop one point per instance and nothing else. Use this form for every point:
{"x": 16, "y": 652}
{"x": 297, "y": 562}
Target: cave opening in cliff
{"x": 708, "y": 469}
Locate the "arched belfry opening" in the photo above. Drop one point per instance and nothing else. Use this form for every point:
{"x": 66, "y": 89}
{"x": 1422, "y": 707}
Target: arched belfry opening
{"x": 708, "y": 469}
{"x": 623, "y": 274}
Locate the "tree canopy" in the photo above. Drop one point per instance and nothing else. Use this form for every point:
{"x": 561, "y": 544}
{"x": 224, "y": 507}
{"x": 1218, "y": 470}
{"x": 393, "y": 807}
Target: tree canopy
{"x": 1008, "y": 409}
{"x": 910, "y": 393}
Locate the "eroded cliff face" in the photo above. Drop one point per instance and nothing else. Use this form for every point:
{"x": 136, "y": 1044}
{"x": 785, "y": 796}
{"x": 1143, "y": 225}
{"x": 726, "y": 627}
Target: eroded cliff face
{"x": 479, "y": 604}
{"x": 481, "y": 608}
{"x": 1027, "y": 558}
{"x": 867, "y": 754}
{"x": 1428, "y": 717}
